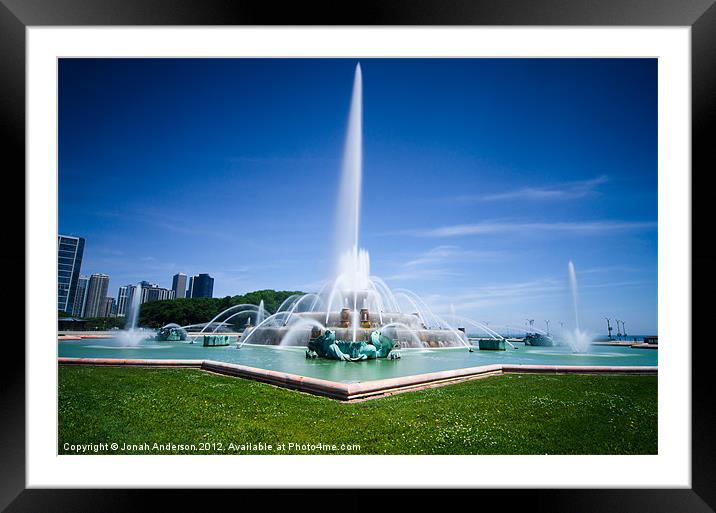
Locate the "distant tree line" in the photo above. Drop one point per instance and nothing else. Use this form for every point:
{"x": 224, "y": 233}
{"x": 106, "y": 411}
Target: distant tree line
{"x": 104, "y": 323}
{"x": 96, "y": 323}
{"x": 185, "y": 311}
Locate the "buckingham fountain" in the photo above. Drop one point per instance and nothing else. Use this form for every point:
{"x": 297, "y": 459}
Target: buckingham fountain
{"x": 355, "y": 315}
{"x": 354, "y": 311}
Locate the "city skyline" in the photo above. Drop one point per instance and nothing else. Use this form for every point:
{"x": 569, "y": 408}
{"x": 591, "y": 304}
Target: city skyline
{"x": 493, "y": 174}
{"x": 91, "y": 293}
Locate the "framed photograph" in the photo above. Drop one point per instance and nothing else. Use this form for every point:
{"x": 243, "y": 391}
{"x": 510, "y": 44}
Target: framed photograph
{"x": 420, "y": 248}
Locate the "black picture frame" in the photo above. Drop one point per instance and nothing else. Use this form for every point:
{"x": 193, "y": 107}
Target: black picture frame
{"x": 700, "y": 15}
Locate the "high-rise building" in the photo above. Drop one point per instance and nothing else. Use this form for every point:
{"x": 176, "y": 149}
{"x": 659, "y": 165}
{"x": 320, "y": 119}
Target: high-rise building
{"x": 190, "y": 289}
{"x": 108, "y": 307}
{"x": 179, "y": 285}
{"x": 96, "y": 295}
{"x": 203, "y": 286}
{"x": 78, "y": 306}
{"x": 70, "y": 250}
{"x": 123, "y": 297}
{"x": 153, "y": 292}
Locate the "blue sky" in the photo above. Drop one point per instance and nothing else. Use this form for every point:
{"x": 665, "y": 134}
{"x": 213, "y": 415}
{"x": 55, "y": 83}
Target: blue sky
{"x": 482, "y": 177}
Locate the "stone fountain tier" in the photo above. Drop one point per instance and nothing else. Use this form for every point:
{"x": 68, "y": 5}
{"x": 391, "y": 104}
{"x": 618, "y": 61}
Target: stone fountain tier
{"x": 403, "y": 337}
{"x": 343, "y": 318}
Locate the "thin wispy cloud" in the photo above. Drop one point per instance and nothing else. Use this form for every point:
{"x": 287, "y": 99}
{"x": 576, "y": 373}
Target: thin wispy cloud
{"x": 503, "y": 227}
{"x": 614, "y": 269}
{"x": 443, "y": 253}
{"x": 563, "y": 191}
{"x": 501, "y": 294}
{"x": 439, "y": 262}
{"x": 514, "y": 293}
{"x": 175, "y": 222}
{"x": 425, "y": 274}
{"x": 259, "y": 159}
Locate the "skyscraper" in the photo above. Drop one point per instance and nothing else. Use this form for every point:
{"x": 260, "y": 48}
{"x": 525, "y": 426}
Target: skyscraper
{"x": 96, "y": 295}
{"x": 123, "y": 297}
{"x": 70, "y": 250}
{"x": 153, "y": 292}
{"x": 190, "y": 289}
{"x": 78, "y": 307}
{"x": 203, "y": 286}
{"x": 107, "y": 307}
{"x": 179, "y": 285}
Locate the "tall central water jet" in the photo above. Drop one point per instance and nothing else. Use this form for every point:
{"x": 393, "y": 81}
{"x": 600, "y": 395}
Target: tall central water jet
{"x": 352, "y": 265}
{"x": 349, "y": 261}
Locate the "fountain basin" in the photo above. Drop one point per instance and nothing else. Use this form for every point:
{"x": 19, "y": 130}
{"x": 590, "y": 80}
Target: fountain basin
{"x": 414, "y": 361}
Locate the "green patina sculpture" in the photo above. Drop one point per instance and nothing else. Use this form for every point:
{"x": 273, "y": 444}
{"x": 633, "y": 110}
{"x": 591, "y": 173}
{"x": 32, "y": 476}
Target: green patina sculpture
{"x": 216, "y": 340}
{"x": 326, "y": 346}
{"x": 171, "y": 334}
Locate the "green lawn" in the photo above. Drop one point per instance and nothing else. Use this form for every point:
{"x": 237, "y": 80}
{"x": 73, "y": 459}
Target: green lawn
{"x": 510, "y": 414}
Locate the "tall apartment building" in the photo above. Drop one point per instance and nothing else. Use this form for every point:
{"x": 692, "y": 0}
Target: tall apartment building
{"x": 123, "y": 297}
{"x": 202, "y": 286}
{"x": 70, "y": 250}
{"x": 108, "y": 309}
{"x": 96, "y": 295}
{"x": 179, "y": 285}
{"x": 153, "y": 292}
{"x": 78, "y": 306}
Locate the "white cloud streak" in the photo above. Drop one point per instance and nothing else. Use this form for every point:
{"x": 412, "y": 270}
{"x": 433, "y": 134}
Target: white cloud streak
{"x": 564, "y": 191}
{"x": 500, "y": 227}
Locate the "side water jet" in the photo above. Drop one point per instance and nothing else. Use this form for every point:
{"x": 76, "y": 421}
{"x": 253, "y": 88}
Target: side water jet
{"x": 578, "y": 340}
{"x": 132, "y": 335}
{"x": 244, "y": 306}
